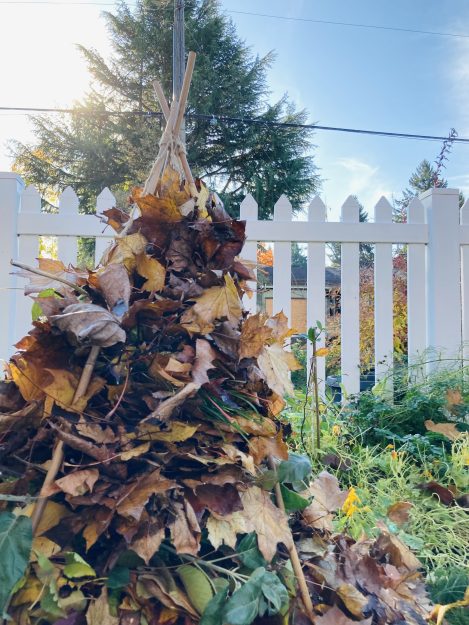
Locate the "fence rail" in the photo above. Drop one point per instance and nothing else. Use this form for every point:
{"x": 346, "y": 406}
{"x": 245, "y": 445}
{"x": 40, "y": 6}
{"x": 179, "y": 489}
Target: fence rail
{"x": 436, "y": 236}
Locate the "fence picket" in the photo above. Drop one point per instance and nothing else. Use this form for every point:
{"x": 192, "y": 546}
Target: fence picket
{"x": 316, "y": 284}
{"x": 249, "y": 212}
{"x": 104, "y": 201}
{"x": 416, "y": 294}
{"x": 68, "y": 245}
{"x": 350, "y": 303}
{"x": 282, "y": 262}
{"x": 28, "y": 252}
{"x": 465, "y": 285}
{"x": 383, "y": 299}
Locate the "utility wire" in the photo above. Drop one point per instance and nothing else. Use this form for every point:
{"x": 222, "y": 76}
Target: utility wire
{"x": 214, "y": 119}
{"x": 253, "y": 14}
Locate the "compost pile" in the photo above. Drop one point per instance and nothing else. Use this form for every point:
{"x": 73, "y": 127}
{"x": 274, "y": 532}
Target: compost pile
{"x": 144, "y": 408}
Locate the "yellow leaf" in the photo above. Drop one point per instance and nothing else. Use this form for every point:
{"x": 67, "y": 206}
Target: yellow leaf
{"x": 276, "y": 364}
{"x": 322, "y": 351}
{"x": 135, "y": 452}
{"x": 125, "y": 250}
{"x": 52, "y": 515}
{"x": 178, "y": 432}
{"x": 162, "y": 210}
{"x": 151, "y": 269}
{"x": 217, "y": 303}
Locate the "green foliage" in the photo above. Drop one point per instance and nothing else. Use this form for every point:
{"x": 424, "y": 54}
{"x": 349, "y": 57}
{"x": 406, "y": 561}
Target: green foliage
{"x": 248, "y": 552}
{"x": 448, "y": 585}
{"x": 90, "y": 150}
{"x": 263, "y": 594}
{"x": 197, "y": 585}
{"x": 16, "y": 538}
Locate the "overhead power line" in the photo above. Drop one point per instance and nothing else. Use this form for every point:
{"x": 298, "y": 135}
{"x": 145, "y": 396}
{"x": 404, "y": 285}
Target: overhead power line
{"x": 238, "y": 120}
{"x": 310, "y": 20}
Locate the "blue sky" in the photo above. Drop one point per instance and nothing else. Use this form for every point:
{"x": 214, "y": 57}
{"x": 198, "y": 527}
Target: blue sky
{"x": 353, "y": 77}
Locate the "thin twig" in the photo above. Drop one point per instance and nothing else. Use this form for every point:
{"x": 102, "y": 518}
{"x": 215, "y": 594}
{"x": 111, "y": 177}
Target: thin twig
{"x": 294, "y": 557}
{"x": 52, "y": 276}
{"x": 58, "y": 454}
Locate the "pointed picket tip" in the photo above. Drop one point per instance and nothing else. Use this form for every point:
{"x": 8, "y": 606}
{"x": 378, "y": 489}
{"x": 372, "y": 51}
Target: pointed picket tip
{"x": 283, "y": 209}
{"x": 248, "y": 208}
{"x": 383, "y": 210}
{"x": 415, "y": 212}
{"x": 105, "y": 200}
{"x": 68, "y": 201}
{"x": 350, "y": 209}
{"x": 465, "y": 213}
{"x": 316, "y": 209}
{"x": 30, "y": 200}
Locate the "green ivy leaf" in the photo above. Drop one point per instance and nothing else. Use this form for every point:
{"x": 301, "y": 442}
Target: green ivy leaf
{"x": 214, "y": 610}
{"x": 16, "y": 537}
{"x": 197, "y": 585}
{"x": 248, "y": 552}
{"x": 76, "y": 567}
{"x": 292, "y": 500}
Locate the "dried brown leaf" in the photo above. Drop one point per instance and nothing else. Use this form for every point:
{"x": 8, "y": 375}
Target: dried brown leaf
{"x": 276, "y": 364}
{"x": 115, "y": 285}
{"x": 399, "y": 512}
{"x": 204, "y": 357}
{"x": 446, "y": 429}
{"x": 327, "y": 499}
{"x": 254, "y": 336}
{"x": 89, "y": 324}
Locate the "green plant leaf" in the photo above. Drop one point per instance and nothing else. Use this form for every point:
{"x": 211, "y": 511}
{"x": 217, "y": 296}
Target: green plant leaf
{"x": 295, "y": 470}
{"x": 292, "y": 500}
{"x": 243, "y": 605}
{"x": 16, "y": 537}
{"x": 76, "y": 567}
{"x": 197, "y": 585}
{"x": 36, "y": 310}
{"x": 119, "y": 577}
{"x": 275, "y": 593}
{"x": 213, "y": 613}
{"x": 248, "y": 552}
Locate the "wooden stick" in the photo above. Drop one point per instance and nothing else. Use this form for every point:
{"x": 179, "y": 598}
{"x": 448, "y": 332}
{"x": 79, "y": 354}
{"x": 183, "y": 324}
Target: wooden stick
{"x": 188, "y": 173}
{"x": 46, "y": 274}
{"x": 161, "y": 98}
{"x": 58, "y": 454}
{"x": 294, "y": 557}
{"x": 185, "y": 91}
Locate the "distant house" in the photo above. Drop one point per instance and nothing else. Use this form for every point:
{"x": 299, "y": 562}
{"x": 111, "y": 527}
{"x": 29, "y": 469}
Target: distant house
{"x": 299, "y": 282}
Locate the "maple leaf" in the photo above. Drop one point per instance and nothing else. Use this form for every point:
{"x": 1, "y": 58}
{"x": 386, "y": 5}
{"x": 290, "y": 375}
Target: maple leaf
{"x": 125, "y": 250}
{"x": 327, "y": 499}
{"x": 137, "y": 493}
{"x": 446, "y": 429}
{"x": 217, "y": 303}
{"x": 276, "y": 364}
{"x": 254, "y": 335}
{"x": 262, "y": 446}
{"x": 157, "y": 209}
{"x": 204, "y": 357}
{"x": 185, "y": 531}
{"x": 268, "y": 521}
{"x": 224, "y": 530}
{"x": 148, "y": 539}
{"x": 152, "y": 270}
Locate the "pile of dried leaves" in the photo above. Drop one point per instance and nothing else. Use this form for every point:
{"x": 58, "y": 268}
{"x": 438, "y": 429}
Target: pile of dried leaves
{"x": 161, "y": 510}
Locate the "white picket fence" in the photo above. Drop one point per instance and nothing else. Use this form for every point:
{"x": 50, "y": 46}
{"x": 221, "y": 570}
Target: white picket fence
{"x": 436, "y": 236}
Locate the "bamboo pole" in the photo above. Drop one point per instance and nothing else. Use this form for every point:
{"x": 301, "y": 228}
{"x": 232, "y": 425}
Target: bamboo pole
{"x": 185, "y": 91}
{"x": 58, "y": 454}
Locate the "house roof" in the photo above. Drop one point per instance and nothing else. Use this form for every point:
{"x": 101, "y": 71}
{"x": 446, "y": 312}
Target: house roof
{"x": 299, "y": 275}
